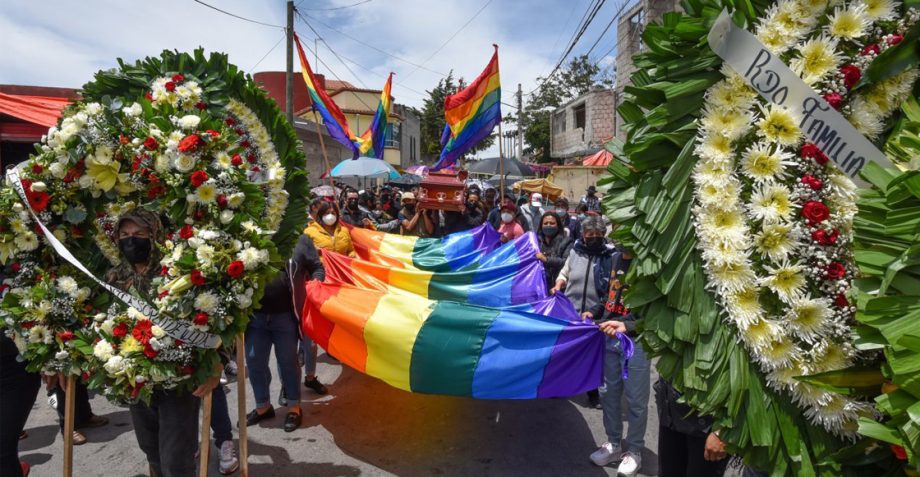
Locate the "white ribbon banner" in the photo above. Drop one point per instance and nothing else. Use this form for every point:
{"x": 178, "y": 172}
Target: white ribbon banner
{"x": 775, "y": 82}
{"x": 179, "y": 330}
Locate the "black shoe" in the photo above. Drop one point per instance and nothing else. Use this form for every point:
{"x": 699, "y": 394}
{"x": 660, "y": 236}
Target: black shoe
{"x": 254, "y": 417}
{"x": 594, "y": 399}
{"x": 315, "y": 385}
{"x": 292, "y": 421}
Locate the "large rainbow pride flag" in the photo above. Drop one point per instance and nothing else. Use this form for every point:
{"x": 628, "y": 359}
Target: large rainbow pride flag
{"x": 472, "y": 113}
{"x": 442, "y": 347}
{"x": 371, "y": 142}
{"x": 450, "y": 253}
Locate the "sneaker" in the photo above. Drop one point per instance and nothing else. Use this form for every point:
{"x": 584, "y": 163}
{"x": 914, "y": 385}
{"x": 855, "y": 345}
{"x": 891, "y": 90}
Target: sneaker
{"x": 630, "y": 464}
{"x": 228, "y": 461}
{"x": 231, "y": 371}
{"x": 606, "y": 454}
{"x": 52, "y": 401}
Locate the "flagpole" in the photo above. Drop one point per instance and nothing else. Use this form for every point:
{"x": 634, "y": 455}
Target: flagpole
{"x": 501, "y": 163}
{"x": 322, "y": 145}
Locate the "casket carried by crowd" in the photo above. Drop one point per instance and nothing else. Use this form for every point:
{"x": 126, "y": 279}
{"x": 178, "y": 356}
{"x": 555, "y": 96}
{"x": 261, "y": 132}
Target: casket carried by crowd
{"x": 442, "y": 190}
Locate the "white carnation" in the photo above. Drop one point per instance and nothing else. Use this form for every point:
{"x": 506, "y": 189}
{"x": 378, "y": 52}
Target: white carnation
{"x": 61, "y": 355}
{"x": 103, "y": 350}
{"x": 189, "y": 121}
{"x": 68, "y": 285}
{"x": 207, "y": 302}
{"x": 252, "y": 257}
{"x": 133, "y": 111}
{"x": 115, "y": 365}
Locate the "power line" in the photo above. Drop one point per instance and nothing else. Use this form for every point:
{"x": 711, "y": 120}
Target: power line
{"x": 250, "y": 20}
{"x": 579, "y": 32}
{"x": 483, "y": 7}
{"x": 299, "y": 15}
{"x": 337, "y": 8}
{"x": 283, "y": 36}
{"x": 561, "y": 30}
{"x": 609, "y": 24}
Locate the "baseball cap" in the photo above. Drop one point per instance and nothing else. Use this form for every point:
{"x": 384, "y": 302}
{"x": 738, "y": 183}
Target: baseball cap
{"x": 536, "y": 199}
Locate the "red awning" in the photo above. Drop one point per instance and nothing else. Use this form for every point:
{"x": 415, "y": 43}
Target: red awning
{"x": 41, "y": 110}
{"x": 599, "y": 158}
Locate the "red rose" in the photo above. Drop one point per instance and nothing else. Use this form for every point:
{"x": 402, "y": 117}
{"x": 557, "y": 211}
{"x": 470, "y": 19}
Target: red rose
{"x": 198, "y": 178}
{"x": 230, "y": 122}
{"x": 27, "y": 325}
{"x": 85, "y": 375}
{"x": 38, "y": 200}
{"x": 256, "y": 169}
{"x": 3, "y": 287}
{"x": 824, "y": 237}
{"x": 164, "y": 270}
{"x": 199, "y": 214}
{"x": 894, "y": 39}
{"x": 834, "y": 99}
{"x": 841, "y": 301}
{"x": 245, "y": 144}
{"x": 197, "y": 278}
{"x": 37, "y": 168}
{"x": 190, "y": 143}
{"x": 899, "y": 452}
{"x": 812, "y": 181}
{"x": 149, "y": 96}
{"x": 851, "y": 75}
{"x": 237, "y": 160}
{"x": 811, "y": 151}
{"x": 815, "y": 212}
{"x": 15, "y": 267}
{"x": 153, "y": 192}
{"x": 178, "y": 78}
{"x": 150, "y": 143}
{"x": 186, "y": 370}
{"x": 221, "y": 201}
{"x": 65, "y": 336}
{"x": 835, "y": 270}
{"x": 201, "y": 319}
{"x": 150, "y": 352}
{"x": 235, "y": 269}
{"x": 186, "y": 232}
{"x": 213, "y": 133}
{"x": 200, "y": 105}
{"x": 120, "y": 330}
{"x": 251, "y": 158}
{"x": 873, "y": 49}
{"x": 142, "y": 331}
{"x": 170, "y": 86}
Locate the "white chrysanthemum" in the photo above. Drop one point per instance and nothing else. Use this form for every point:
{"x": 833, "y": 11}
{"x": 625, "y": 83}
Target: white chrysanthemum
{"x": 817, "y": 57}
{"x": 132, "y": 111}
{"x": 779, "y": 125}
{"x": 722, "y": 194}
{"x": 850, "y": 23}
{"x": 205, "y": 255}
{"x": 68, "y": 285}
{"x": 223, "y": 160}
{"x": 206, "y": 193}
{"x": 807, "y": 318}
{"x": 865, "y": 118}
{"x": 761, "y": 162}
{"x": 784, "y": 377}
{"x": 775, "y": 38}
{"x": 833, "y": 358}
{"x": 786, "y": 280}
{"x": 727, "y": 95}
{"x": 778, "y": 353}
{"x": 115, "y": 365}
{"x": 729, "y": 277}
{"x": 157, "y": 331}
{"x": 184, "y": 162}
{"x": 881, "y": 9}
{"x": 775, "y": 241}
{"x": 730, "y": 122}
{"x": 759, "y": 334}
{"x": 93, "y": 109}
{"x": 715, "y": 146}
{"x": 103, "y": 350}
{"x": 771, "y": 203}
{"x": 135, "y": 314}
{"x": 252, "y": 257}
{"x": 235, "y": 200}
{"x": 744, "y": 306}
{"x": 839, "y": 415}
{"x": 722, "y": 252}
{"x": 723, "y": 225}
{"x": 26, "y": 241}
{"x": 207, "y": 302}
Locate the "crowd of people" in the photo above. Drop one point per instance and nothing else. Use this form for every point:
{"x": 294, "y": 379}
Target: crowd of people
{"x": 578, "y": 258}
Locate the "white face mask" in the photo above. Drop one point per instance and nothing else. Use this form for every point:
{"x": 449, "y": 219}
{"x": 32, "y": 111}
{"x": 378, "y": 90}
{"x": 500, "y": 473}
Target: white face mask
{"x": 506, "y": 217}
{"x": 329, "y": 219}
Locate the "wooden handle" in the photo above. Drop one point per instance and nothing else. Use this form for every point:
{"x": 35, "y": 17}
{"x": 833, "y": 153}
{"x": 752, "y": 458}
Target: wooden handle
{"x": 241, "y": 402}
{"x": 69, "y": 406}
{"x": 205, "y": 448}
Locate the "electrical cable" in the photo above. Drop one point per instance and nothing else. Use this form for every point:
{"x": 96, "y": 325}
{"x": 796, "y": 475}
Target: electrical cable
{"x": 237, "y": 16}
{"x": 337, "y": 8}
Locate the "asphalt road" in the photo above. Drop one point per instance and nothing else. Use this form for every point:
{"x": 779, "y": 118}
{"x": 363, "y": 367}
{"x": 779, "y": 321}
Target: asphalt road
{"x": 366, "y": 428}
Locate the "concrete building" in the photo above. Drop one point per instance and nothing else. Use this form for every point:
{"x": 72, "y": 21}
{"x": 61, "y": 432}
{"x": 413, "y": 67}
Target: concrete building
{"x": 582, "y": 126}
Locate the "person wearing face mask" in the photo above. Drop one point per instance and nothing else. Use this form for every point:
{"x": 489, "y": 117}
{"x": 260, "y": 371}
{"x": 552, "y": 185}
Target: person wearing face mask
{"x": 554, "y": 246}
{"x": 533, "y": 210}
{"x": 414, "y": 220}
{"x": 353, "y": 214}
{"x": 495, "y": 216}
{"x": 509, "y": 229}
{"x": 570, "y": 223}
{"x": 590, "y": 200}
{"x": 326, "y": 232}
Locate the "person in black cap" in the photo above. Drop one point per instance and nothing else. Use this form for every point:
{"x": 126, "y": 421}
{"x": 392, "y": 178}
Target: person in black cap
{"x": 591, "y": 201}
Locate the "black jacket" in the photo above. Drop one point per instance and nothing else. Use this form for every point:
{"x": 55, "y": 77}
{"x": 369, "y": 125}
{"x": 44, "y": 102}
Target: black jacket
{"x": 678, "y": 416}
{"x": 286, "y": 292}
{"x": 556, "y": 252}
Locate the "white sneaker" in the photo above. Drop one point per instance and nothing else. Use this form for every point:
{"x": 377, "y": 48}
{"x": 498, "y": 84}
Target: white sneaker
{"x": 630, "y": 464}
{"x": 228, "y": 461}
{"x": 606, "y": 454}
{"x": 52, "y": 401}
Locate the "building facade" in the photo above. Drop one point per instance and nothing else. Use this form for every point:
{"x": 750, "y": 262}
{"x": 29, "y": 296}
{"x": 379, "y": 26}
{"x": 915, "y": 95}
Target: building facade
{"x": 582, "y": 126}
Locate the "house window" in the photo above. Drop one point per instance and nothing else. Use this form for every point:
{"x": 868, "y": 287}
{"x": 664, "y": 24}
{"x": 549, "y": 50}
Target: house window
{"x": 391, "y": 139}
{"x": 559, "y": 122}
{"x": 412, "y": 156}
{"x": 580, "y": 116}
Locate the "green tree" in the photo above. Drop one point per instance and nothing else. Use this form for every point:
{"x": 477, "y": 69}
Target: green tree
{"x": 432, "y": 120}
{"x": 574, "y": 79}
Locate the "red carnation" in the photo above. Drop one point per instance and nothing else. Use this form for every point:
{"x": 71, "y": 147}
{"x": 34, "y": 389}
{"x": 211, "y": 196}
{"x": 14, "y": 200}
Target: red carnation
{"x": 150, "y": 143}
{"x": 811, "y": 151}
{"x": 834, "y": 99}
{"x": 149, "y": 96}
{"x": 37, "y": 168}
{"x": 197, "y": 278}
{"x": 851, "y": 75}
{"x": 150, "y": 352}
{"x": 245, "y": 144}
{"x": 153, "y": 192}
{"x": 824, "y": 237}
{"x": 251, "y": 158}
{"x": 235, "y": 269}
{"x": 38, "y": 200}
{"x": 199, "y": 214}
{"x": 221, "y": 201}
{"x": 841, "y": 301}
{"x": 15, "y": 267}
{"x": 200, "y": 105}
{"x": 835, "y": 270}
{"x": 812, "y": 181}
{"x": 86, "y": 375}
{"x": 27, "y": 325}
{"x": 815, "y": 212}
{"x": 142, "y": 331}
{"x": 190, "y": 143}
{"x": 120, "y": 330}
{"x": 65, "y": 336}
{"x": 201, "y": 319}
{"x": 873, "y": 48}
{"x": 230, "y": 122}
{"x": 170, "y": 86}
{"x": 198, "y": 178}
{"x": 213, "y": 133}
{"x": 3, "y": 287}
{"x": 899, "y": 452}
{"x": 186, "y": 232}
{"x": 186, "y": 370}
{"x": 123, "y": 139}
{"x": 894, "y": 39}
{"x": 237, "y": 160}
{"x": 178, "y": 78}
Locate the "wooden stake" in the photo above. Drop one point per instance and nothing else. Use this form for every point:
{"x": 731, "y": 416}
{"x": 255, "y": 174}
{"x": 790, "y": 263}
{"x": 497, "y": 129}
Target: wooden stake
{"x": 241, "y": 401}
{"x": 69, "y": 406}
{"x": 322, "y": 145}
{"x": 501, "y": 163}
{"x": 205, "y": 447}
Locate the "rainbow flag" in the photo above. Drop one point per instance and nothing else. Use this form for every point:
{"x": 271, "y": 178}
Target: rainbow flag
{"x": 472, "y": 113}
{"x": 450, "y": 253}
{"x": 425, "y": 346}
{"x": 334, "y": 119}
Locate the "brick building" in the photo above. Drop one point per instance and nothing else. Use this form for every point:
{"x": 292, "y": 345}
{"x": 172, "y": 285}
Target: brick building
{"x": 582, "y": 126}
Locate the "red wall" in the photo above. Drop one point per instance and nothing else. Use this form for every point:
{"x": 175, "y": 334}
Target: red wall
{"x": 273, "y": 83}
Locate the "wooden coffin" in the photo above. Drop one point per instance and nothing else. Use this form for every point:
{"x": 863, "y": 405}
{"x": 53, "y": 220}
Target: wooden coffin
{"x": 442, "y": 190}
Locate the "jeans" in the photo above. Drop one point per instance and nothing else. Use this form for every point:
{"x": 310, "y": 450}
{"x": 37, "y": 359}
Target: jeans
{"x": 18, "y": 389}
{"x": 220, "y": 417}
{"x": 263, "y": 331}
{"x": 681, "y": 455}
{"x": 636, "y": 388}
{"x": 309, "y": 355}
{"x": 167, "y": 432}
{"x": 82, "y": 412}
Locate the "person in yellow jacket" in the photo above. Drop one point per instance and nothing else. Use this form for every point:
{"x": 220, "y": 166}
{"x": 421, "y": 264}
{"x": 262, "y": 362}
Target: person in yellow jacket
{"x": 326, "y": 229}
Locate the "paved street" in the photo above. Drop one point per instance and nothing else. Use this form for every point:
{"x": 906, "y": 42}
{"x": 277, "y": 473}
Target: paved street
{"x": 367, "y": 428}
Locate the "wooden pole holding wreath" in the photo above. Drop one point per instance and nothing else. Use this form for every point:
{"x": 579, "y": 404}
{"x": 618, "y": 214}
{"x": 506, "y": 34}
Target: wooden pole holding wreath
{"x": 322, "y": 145}
{"x": 69, "y": 405}
{"x": 205, "y": 447}
{"x": 241, "y": 404}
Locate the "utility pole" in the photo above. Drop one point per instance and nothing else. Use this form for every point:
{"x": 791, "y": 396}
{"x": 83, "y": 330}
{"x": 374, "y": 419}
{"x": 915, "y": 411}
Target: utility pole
{"x": 520, "y": 124}
{"x": 289, "y": 77}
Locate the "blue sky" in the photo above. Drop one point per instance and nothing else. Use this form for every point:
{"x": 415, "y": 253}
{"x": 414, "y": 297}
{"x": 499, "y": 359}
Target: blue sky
{"x": 62, "y": 43}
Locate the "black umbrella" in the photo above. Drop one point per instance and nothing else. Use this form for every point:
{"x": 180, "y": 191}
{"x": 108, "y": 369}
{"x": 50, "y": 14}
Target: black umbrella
{"x": 513, "y": 167}
{"x": 406, "y": 181}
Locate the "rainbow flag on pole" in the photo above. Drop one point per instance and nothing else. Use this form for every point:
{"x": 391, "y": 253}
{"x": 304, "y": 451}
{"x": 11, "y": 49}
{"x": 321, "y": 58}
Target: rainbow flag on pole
{"x": 472, "y": 113}
{"x": 334, "y": 119}
{"x": 426, "y": 346}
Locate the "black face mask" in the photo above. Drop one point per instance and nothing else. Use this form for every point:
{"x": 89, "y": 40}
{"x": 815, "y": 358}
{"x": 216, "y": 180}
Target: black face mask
{"x": 410, "y": 207}
{"x": 550, "y": 231}
{"x": 135, "y": 249}
{"x": 594, "y": 242}
{"x": 352, "y": 203}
